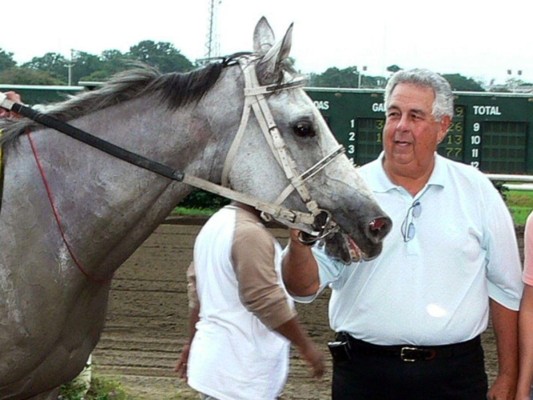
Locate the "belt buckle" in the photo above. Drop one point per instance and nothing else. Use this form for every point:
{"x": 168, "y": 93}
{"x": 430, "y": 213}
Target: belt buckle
{"x": 412, "y": 354}
{"x": 404, "y": 354}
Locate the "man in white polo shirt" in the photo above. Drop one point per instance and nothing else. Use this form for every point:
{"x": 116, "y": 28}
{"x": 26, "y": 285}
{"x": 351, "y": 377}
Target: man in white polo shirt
{"x": 408, "y": 323}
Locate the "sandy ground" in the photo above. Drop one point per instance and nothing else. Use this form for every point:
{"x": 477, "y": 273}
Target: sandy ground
{"x": 147, "y": 322}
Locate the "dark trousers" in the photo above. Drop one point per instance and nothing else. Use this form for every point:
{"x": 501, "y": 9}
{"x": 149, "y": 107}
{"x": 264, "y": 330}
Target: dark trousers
{"x": 371, "y": 376}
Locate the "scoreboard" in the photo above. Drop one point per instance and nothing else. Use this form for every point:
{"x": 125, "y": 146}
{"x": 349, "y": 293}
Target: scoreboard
{"x": 491, "y": 131}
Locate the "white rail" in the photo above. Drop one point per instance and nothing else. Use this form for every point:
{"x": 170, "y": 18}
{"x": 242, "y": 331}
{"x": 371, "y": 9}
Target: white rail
{"x": 519, "y": 182}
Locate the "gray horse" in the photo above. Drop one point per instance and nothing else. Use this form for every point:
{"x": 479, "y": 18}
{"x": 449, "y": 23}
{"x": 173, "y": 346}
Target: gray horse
{"x": 72, "y": 214}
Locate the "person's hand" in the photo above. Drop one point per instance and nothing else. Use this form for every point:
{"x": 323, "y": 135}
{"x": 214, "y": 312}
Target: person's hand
{"x": 181, "y": 365}
{"x": 315, "y": 359}
{"x": 13, "y": 96}
{"x": 503, "y": 388}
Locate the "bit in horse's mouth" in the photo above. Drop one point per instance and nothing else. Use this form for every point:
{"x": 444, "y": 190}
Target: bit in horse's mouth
{"x": 355, "y": 252}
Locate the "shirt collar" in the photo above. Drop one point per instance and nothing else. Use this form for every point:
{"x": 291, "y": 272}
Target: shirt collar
{"x": 381, "y": 183}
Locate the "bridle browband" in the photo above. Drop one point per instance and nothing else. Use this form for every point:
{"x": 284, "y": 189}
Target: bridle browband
{"x": 316, "y": 222}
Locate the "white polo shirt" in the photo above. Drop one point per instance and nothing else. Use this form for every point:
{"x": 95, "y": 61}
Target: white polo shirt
{"x": 432, "y": 289}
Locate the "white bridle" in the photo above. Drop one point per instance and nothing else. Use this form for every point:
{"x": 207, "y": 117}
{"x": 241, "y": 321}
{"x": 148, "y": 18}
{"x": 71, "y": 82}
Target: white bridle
{"x": 254, "y": 99}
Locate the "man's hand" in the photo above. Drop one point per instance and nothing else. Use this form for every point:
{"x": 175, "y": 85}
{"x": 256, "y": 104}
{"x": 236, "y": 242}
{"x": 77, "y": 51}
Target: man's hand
{"x": 503, "y": 388}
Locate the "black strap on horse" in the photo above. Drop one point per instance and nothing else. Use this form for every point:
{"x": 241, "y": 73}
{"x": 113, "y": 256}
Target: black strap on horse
{"x": 94, "y": 141}
{"x": 268, "y": 209}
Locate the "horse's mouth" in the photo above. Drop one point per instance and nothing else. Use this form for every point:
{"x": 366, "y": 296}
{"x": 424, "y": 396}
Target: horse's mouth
{"x": 341, "y": 247}
{"x": 355, "y": 252}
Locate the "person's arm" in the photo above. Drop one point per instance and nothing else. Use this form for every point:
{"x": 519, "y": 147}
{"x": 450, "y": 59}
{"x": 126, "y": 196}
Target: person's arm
{"x": 300, "y": 269}
{"x": 194, "y": 317}
{"x": 525, "y": 345}
{"x": 308, "y": 350}
{"x": 253, "y": 255}
{"x": 505, "y": 325}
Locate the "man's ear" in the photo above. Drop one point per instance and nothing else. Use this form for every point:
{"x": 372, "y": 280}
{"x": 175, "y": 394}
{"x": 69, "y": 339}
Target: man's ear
{"x": 444, "y": 123}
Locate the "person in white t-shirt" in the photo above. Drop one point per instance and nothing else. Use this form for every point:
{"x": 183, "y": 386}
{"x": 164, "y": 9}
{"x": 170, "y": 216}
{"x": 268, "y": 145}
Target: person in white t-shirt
{"x": 242, "y": 319}
{"x": 408, "y": 323}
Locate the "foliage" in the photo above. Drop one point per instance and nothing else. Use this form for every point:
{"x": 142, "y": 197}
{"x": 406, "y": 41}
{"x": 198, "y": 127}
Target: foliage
{"x": 53, "y": 63}
{"x": 27, "y": 76}
{"x": 83, "y": 66}
{"x": 520, "y": 204}
{"x": 101, "y": 389}
{"x": 461, "y": 83}
{"x": 6, "y": 60}
{"x": 203, "y": 200}
{"x": 162, "y": 55}
{"x": 55, "y": 69}
{"x": 393, "y": 68}
{"x": 349, "y": 77}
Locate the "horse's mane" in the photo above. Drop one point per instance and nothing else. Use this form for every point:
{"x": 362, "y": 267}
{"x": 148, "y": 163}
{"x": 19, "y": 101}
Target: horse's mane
{"x": 173, "y": 89}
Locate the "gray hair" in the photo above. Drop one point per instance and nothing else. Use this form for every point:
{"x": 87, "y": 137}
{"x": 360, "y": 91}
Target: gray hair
{"x": 443, "y": 104}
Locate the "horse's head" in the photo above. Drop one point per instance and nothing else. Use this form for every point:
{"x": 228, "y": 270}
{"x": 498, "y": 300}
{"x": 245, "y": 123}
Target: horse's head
{"x": 289, "y": 156}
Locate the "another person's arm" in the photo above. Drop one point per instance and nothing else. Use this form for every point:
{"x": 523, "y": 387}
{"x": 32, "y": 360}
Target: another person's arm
{"x": 260, "y": 292}
{"x": 300, "y": 269}
{"x": 293, "y": 331}
{"x": 525, "y": 319}
{"x": 525, "y": 324}
{"x": 194, "y": 316}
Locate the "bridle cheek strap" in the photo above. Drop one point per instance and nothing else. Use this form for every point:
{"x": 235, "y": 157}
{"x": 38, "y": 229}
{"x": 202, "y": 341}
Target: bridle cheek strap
{"x": 255, "y": 99}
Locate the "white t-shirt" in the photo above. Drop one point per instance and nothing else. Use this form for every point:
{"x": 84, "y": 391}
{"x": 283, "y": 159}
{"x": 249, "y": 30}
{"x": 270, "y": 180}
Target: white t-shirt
{"x": 234, "y": 354}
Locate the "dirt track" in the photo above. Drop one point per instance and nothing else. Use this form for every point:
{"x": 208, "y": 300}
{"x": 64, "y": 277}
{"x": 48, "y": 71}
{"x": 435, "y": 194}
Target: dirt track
{"x": 147, "y": 322}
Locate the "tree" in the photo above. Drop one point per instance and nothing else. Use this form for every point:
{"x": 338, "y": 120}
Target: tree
{"x": 334, "y": 77}
{"x": 53, "y": 63}
{"x": 162, "y": 55}
{"x": 349, "y": 77}
{"x": 393, "y": 68}
{"x": 27, "y": 76}
{"x": 6, "y": 60}
{"x": 83, "y": 65}
{"x": 462, "y": 83}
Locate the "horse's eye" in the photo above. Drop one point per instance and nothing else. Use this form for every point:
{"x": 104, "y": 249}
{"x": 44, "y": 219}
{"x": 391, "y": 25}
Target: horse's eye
{"x": 304, "y": 129}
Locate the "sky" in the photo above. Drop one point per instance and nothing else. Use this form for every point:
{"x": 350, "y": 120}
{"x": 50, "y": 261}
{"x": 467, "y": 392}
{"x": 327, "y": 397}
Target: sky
{"x": 480, "y": 39}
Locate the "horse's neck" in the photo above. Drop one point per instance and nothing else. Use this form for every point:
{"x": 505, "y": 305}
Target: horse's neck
{"x": 106, "y": 206}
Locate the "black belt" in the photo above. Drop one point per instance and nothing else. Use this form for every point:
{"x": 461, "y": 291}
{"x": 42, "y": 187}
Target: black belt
{"x": 410, "y": 353}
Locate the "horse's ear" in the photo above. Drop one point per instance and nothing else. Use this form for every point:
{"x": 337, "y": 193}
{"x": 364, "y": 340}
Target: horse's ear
{"x": 271, "y": 65}
{"x": 263, "y": 37}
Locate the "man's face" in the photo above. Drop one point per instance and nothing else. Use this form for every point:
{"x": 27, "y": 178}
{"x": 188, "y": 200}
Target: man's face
{"x": 411, "y": 133}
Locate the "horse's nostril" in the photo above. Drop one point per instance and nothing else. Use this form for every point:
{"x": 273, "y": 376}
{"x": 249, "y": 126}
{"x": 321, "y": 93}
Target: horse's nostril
{"x": 379, "y": 226}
